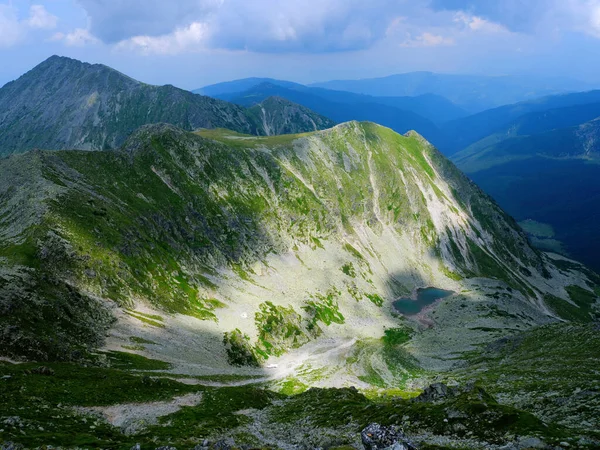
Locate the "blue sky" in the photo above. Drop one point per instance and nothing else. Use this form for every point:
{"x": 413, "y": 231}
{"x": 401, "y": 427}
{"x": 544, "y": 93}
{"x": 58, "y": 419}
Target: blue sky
{"x": 191, "y": 43}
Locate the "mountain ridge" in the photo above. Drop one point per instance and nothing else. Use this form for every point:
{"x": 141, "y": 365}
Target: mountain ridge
{"x": 430, "y": 106}
{"x": 64, "y": 103}
{"x": 221, "y": 287}
{"x": 472, "y": 92}
{"x": 244, "y": 220}
{"x": 399, "y": 120}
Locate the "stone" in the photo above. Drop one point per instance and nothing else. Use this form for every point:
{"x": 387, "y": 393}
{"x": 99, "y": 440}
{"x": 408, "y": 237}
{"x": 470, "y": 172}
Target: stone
{"x": 10, "y": 446}
{"x": 378, "y": 437}
{"x": 530, "y": 442}
{"x": 434, "y": 392}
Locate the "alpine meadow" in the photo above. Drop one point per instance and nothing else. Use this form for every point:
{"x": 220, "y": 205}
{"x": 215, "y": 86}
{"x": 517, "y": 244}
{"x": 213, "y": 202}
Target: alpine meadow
{"x": 354, "y": 226}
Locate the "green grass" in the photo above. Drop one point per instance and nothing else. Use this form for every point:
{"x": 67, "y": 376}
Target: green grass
{"x": 349, "y": 270}
{"x": 376, "y": 299}
{"x": 397, "y": 336}
{"x": 131, "y": 361}
{"x": 43, "y": 402}
{"x": 139, "y": 340}
{"x": 533, "y": 369}
{"x": 145, "y": 319}
{"x": 582, "y": 308}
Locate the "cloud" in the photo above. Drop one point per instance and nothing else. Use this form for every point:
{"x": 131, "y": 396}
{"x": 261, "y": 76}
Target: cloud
{"x": 114, "y": 21}
{"x": 13, "y": 30}
{"x": 527, "y": 16}
{"x": 10, "y": 28}
{"x": 514, "y": 15}
{"x": 584, "y": 15}
{"x": 429, "y": 40}
{"x": 183, "y": 39}
{"x": 478, "y": 24}
{"x": 318, "y": 26}
{"x": 40, "y": 18}
{"x": 257, "y": 25}
{"x": 79, "y": 37}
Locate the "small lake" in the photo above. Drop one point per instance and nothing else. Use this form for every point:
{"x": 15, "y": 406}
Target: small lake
{"x": 425, "y": 296}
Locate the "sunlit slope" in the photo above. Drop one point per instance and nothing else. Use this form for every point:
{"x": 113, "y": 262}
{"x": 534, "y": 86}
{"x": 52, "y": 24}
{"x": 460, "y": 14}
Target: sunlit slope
{"x": 257, "y": 245}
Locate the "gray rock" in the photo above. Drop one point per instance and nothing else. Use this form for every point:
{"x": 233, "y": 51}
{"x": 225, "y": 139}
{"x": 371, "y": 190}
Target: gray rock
{"x": 10, "y": 446}
{"x": 530, "y": 442}
{"x": 378, "y": 437}
{"x": 435, "y": 392}
{"x": 224, "y": 444}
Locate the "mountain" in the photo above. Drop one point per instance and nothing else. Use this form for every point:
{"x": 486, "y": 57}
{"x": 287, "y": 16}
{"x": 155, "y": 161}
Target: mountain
{"x": 432, "y": 107}
{"x": 280, "y": 116}
{"x": 550, "y": 178}
{"x": 233, "y": 218}
{"x": 330, "y": 105}
{"x": 522, "y": 118}
{"x": 236, "y": 86}
{"x": 471, "y": 92}
{"x": 64, "y": 103}
{"x": 213, "y": 288}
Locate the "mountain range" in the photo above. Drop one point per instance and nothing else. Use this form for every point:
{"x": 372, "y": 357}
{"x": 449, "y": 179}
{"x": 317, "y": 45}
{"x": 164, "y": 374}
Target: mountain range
{"x": 275, "y": 284}
{"x": 64, "y": 103}
{"x": 246, "y": 91}
{"x": 546, "y": 176}
{"x": 471, "y": 92}
{"x": 496, "y": 147}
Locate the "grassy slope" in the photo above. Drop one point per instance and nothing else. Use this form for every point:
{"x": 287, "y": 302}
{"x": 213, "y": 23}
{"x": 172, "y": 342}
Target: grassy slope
{"x": 157, "y": 219}
{"x": 142, "y": 222}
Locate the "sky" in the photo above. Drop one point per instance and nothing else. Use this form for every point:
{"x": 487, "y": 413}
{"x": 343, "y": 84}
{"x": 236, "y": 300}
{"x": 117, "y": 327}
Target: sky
{"x": 192, "y": 43}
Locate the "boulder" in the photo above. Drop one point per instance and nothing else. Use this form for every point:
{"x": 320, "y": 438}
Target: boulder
{"x": 379, "y": 437}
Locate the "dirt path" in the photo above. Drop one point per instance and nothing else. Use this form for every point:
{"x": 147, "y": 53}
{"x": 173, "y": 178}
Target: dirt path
{"x": 324, "y": 353}
{"x": 132, "y": 417}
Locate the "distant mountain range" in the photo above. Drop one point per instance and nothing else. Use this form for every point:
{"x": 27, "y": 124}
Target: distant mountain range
{"x": 433, "y": 107}
{"x": 543, "y": 166}
{"x": 341, "y": 109}
{"x": 471, "y": 92}
{"x": 536, "y": 115}
{"x": 538, "y": 158}
{"x": 65, "y": 103}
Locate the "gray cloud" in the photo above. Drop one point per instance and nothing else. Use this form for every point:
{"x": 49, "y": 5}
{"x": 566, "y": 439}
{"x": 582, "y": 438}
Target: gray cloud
{"x": 516, "y": 15}
{"x": 316, "y": 26}
{"x": 257, "y": 25}
{"x": 115, "y": 20}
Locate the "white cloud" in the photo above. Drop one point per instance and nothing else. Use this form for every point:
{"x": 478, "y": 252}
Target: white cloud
{"x": 428, "y": 40}
{"x": 188, "y": 38}
{"x": 79, "y": 37}
{"x": 254, "y": 25}
{"x": 585, "y": 15}
{"x": 13, "y": 30}
{"x": 40, "y": 18}
{"x": 10, "y": 29}
{"x": 476, "y": 23}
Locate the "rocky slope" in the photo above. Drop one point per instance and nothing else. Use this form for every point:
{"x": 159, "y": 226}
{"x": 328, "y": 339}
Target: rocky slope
{"x": 64, "y": 103}
{"x": 280, "y": 116}
{"x": 240, "y": 271}
{"x": 313, "y": 230}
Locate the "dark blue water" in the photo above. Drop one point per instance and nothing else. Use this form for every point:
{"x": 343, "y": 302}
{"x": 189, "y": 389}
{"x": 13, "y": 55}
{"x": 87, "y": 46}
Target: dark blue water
{"x": 425, "y": 296}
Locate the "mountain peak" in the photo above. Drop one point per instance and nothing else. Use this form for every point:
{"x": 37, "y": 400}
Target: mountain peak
{"x": 94, "y": 107}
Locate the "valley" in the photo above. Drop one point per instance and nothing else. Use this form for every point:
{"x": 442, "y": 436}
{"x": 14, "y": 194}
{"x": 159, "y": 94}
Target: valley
{"x": 179, "y": 271}
{"x": 280, "y": 292}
